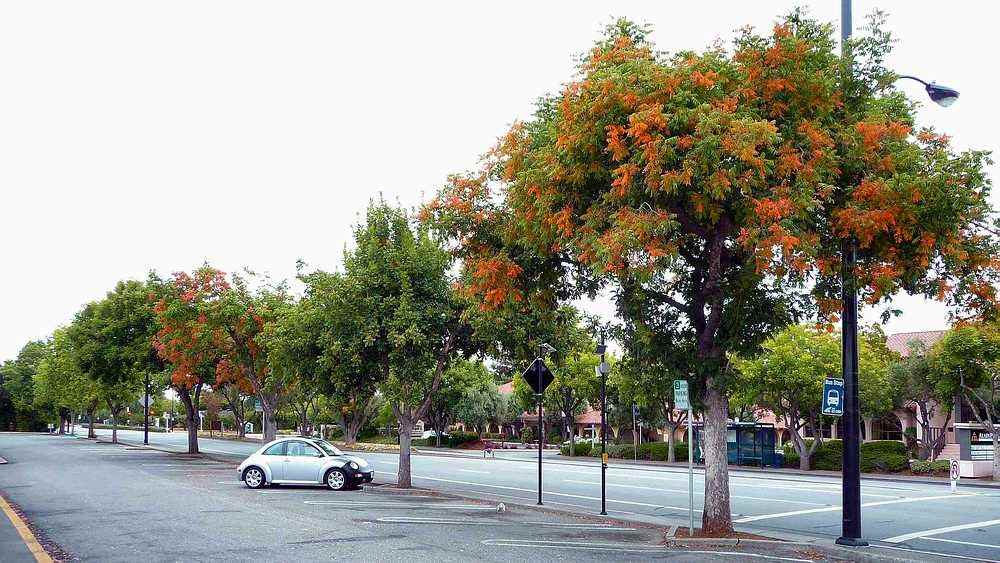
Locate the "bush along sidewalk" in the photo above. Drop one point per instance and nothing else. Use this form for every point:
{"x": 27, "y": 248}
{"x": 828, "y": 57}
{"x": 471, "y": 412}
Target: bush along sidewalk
{"x": 650, "y": 451}
{"x": 878, "y": 456}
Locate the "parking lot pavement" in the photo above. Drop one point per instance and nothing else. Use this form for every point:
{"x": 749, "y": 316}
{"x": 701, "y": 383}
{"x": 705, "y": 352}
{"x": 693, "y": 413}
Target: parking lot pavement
{"x": 105, "y": 502}
{"x": 785, "y": 506}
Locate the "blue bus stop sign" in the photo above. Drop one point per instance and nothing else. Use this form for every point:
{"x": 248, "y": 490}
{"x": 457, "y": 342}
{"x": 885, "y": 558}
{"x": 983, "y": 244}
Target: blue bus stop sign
{"x": 833, "y": 397}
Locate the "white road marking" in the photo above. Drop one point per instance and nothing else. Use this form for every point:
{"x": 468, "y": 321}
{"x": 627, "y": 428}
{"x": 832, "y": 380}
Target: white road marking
{"x": 476, "y": 471}
{"x": 811, "y": 487}
{"x": 624, "y": 547}
{"x": 905, "y": 537}
{"x": 347, "y": 504}
{"x": 963, "y": 542}
{"x": 416, "y": 520}
{"x": 657, "y": 489}
{"x": 836, "y": 508}
{"x": 547, "y": 493}
{"x": 938, "y": 553}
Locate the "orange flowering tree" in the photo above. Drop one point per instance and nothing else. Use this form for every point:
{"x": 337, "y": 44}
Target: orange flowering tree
{"x": 715, "y": 189}
{"x": 187, "y": 340}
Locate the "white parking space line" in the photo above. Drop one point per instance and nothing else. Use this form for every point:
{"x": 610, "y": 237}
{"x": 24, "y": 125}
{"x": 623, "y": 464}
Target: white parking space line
{"x": 938, "y": 553}
{"x": 905, "y": 537}
{"x": 963, "y": 542}
{"x": 835, "y": 508}
{"x": 549, "y": 493}
{"x": 630, "y": 548}
{"x": 404, "y": 505}
{"x": 476, "y": 471}
{"x": 684, "y": 491}
{"x": 440, "y": 521}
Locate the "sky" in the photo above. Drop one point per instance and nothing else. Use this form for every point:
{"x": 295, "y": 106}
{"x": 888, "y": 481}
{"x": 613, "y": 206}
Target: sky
{"x": 138, "y": 136}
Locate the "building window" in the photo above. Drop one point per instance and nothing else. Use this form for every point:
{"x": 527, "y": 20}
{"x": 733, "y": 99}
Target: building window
{"x": 887, "y": 427}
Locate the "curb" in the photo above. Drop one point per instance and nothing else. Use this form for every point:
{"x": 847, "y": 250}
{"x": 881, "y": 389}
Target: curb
{"x": 29, "y": 539}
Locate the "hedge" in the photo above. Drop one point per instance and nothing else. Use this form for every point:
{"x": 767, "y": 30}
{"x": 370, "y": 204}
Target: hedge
{"x": 650, "y": 451}
{"x": 876, "y": 456}
{"x": 581, "y": 448}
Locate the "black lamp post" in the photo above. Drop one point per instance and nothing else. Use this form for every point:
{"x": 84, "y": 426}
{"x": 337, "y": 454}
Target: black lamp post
{"x": 603, "y": 370}
{"x": 851, "y": 525}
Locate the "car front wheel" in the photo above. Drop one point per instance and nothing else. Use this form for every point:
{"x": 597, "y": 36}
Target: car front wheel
{"x": 254, "y": 478}
{"x": 336, "y": 479}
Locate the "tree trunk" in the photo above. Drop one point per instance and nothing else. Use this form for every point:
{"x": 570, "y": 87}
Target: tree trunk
{"x": 269, "y": 424}
{"x": 90, "y": 424}
{"x": 404, "y": 476}
{"x": 191, "y": 406}
{"x": 717, "y": 516}
{"x": 672, "y": 442}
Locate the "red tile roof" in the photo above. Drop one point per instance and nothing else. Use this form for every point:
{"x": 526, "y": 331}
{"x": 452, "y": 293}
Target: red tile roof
{"x": 506, "y": 388}
{"x": 900, "y": 342}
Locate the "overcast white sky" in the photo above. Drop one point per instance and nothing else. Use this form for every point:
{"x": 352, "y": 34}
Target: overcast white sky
{"x": 159, "y": 135}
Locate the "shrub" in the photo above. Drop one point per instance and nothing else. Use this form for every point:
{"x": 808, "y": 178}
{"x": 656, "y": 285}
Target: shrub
{"x": 527, "y": 435}
{"x": 456, "y": 439}
{"x": 939, "y": 467}
{"x": 879, "y": 455}
{"x": 582, "y": 448}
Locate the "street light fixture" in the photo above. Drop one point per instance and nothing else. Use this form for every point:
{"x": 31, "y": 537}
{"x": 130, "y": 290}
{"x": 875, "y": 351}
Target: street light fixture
{"x": 939, "y": 94}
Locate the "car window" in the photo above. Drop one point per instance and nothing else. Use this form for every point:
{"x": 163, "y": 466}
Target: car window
{"x": 301, "y": 449}
{"x": 277, "y": 449}
{"x": 327, "y": 447}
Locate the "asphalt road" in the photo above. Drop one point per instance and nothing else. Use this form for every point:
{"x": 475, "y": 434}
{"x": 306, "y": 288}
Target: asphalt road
{"x": 105, "y": 502}
{"x": 896, "y": 516}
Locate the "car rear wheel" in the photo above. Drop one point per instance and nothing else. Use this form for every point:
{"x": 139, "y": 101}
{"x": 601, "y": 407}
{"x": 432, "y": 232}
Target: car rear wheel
{"x": 254, "y": 478}
{"x": 336, "y": 479}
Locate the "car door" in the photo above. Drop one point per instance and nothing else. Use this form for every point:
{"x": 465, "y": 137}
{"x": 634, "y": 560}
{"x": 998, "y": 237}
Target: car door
{"x": 302, "y": 462}
{"x": 274, "y": 458}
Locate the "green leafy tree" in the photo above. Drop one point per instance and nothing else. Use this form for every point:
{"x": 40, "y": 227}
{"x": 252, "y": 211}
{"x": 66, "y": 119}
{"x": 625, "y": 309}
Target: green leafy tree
{"x": 966, "y": 362}
{"x": 911, "y": 379}
{"x": 60, "y": 382}
{"x": 720, "y": 186}
{"x": 113, "y": 339}
{"x": 449, "y": 402}
{"x": 19, "y": 383}
{"x": 410, "y": 318}
{"x": 787, "y": 379}
{"x": 347, "y": 363}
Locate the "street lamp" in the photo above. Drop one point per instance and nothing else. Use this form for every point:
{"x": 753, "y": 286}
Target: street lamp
{"x": 940, "y": 95}
{"x": 602, "y": 368}
{"x": 851, "y": 511}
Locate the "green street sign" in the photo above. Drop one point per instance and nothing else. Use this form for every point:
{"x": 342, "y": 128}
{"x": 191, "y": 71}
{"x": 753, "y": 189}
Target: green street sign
{"x": 681, "y": 400}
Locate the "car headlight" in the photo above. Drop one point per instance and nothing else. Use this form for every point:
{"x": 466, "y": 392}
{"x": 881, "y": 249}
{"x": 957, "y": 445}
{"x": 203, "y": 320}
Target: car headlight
{"x": 353, "y": 465}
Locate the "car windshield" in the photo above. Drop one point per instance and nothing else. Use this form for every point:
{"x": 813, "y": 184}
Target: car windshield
{"x": 327, "y": 447}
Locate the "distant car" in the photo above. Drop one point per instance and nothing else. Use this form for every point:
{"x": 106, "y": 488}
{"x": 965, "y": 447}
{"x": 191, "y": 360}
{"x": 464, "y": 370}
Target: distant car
{"x": 431, "y": 434}
{"x": 304, "y": 461}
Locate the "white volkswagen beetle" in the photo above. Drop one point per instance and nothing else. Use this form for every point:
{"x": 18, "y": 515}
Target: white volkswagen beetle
{"x": 304, "y": 461}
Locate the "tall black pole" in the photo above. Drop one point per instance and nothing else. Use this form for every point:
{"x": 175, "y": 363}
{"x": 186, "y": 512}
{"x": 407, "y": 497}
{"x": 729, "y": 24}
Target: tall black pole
{"x": 604, "y": 430}
{"x": 851, "y": 480}
{"x": 851, "y": 534}
{"x": 145, "y": 401}
{"x": 538, "y": 373}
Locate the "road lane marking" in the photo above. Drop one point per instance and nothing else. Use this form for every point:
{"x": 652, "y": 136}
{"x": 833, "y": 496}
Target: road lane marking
{"x": 404, "y": 505}
{"x": 905, "y": 537}
{"x": 547, "y": 493}
{"x": 27, "y": 536}
{"x": 696, "y": 492}
{"x": 476, "y": 471}
{"x": 836, "y": 508}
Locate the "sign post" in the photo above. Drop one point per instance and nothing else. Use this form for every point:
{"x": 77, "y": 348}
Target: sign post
{"x": 682, "y": 401}
{"x": 956, "y": 473}
{"x": 635, "y": 433}
{"x": 539, "y": 377}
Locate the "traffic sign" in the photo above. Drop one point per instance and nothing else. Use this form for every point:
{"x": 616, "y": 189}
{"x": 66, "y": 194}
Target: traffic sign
{"x": 538, "y": 380}
{"x": 257, "y": 407}
{"x": 833, "y": 396}
{"x": 681, "y": 400}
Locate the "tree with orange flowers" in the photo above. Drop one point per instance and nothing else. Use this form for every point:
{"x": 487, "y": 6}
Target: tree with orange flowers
{"x": 716, "y": 188}
{"x": 187, "y": 340}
